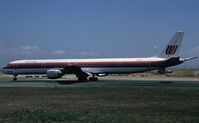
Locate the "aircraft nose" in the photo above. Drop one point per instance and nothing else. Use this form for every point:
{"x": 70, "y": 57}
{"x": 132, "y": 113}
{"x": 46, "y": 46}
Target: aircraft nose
{"x": 3, "y": 70}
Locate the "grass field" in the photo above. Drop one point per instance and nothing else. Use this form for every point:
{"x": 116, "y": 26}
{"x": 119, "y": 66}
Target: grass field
{"x": 99, "y": 105}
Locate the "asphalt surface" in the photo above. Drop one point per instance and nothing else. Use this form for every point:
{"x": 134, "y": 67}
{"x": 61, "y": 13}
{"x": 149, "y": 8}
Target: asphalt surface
{"x": 185, "y": 83}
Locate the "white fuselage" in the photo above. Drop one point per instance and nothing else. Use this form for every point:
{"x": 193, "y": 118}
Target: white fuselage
{"x": 94, "y": 66}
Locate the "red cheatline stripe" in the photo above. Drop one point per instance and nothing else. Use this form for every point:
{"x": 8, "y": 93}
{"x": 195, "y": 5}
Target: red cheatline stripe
{"x": 84, "y": 63}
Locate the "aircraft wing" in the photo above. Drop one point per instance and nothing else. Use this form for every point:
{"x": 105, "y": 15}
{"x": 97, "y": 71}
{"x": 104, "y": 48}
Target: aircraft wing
{"x": 73, "y": 69}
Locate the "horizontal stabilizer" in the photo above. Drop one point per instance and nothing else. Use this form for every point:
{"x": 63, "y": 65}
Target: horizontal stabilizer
{"x": 190, "y": 58}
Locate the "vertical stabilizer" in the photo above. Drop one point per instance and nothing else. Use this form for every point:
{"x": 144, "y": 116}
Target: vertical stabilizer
{"x": 173, "y": 47}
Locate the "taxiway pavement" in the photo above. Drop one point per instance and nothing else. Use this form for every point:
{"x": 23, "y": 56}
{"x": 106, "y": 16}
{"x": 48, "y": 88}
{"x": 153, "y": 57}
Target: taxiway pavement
{"x": 105, "y": 82}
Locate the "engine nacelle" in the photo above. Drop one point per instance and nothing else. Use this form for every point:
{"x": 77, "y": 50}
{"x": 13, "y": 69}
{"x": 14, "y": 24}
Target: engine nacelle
{"x": 54, "y": 74}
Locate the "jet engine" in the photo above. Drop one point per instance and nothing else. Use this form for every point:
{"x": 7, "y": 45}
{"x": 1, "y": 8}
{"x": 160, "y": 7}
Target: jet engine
{"x": 54, "y": 74}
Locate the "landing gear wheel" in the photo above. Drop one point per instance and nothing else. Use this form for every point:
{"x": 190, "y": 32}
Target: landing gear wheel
{"x": 15, "y": 79}
{"x": 83, "y": 79}
{"x": 93, "y": 79}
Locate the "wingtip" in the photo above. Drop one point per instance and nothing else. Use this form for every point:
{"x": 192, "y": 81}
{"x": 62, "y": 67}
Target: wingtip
{"x": 180, "y": 31}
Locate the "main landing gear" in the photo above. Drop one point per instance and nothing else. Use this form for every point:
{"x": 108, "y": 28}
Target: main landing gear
{"x": 84, "y": 79}
{"x": 15, "y": 78}
{"x": 93, "y": 78}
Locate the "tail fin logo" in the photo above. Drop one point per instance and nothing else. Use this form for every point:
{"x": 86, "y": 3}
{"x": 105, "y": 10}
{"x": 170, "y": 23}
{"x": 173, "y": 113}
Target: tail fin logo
{"x": 171, "y": 49}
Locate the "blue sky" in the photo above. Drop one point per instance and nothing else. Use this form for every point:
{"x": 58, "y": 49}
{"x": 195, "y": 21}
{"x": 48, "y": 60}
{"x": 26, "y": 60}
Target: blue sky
{"x": 37, "y": 29}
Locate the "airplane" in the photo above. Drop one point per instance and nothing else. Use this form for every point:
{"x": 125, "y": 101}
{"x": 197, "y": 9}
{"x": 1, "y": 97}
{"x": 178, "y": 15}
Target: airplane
{"x": 90, "y": 68}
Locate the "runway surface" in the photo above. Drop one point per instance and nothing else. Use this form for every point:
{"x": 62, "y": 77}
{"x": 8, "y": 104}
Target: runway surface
{"x": 102, "y": 83}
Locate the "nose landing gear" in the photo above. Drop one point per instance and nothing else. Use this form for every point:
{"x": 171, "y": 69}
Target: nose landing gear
{"x": 15, "y": 78}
